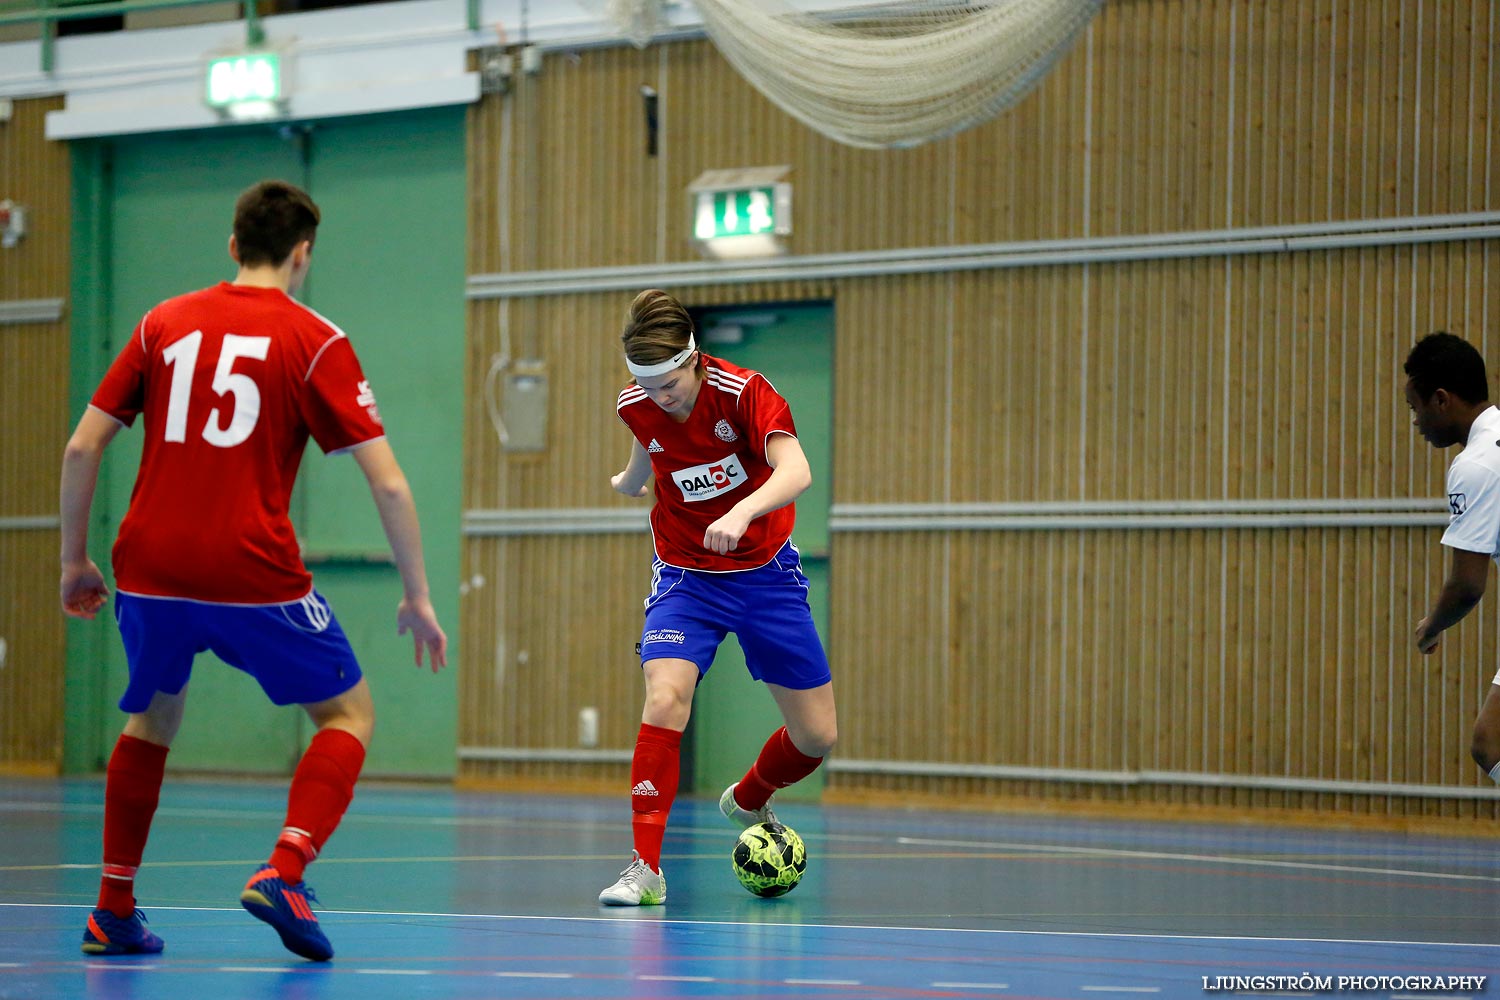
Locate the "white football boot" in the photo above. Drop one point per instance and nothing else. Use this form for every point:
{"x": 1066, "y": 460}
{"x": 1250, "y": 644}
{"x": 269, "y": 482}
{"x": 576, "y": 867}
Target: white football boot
{"x": 638, "y": 886}
{"x": 740, "y": 816}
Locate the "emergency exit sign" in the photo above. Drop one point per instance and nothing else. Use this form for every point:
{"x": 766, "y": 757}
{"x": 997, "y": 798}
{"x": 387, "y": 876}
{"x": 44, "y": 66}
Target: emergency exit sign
{"x": 743, "y": 212}
{"x": 747, "y": 212}
{"x": 247, "y": 80}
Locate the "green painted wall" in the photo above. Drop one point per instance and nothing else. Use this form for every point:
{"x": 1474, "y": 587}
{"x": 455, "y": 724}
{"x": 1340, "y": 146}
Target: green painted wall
{"x": 732, "y": 714}
{"x": 88, "y": 642}
{"x": 389, "y": 270}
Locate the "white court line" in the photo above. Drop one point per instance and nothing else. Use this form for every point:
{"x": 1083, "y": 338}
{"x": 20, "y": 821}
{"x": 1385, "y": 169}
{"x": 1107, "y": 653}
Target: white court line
{"x": 763, "y": 926}
{"x": 1065, "y": 850}
{"x": 1218, "y": 859}
{"x": 971, "y": 986}
{"x": 534, "y": 975}
{"x": 194, "y": 812}
{"x": 1121, "y": 989}
{"x": 977, "y": 845}
{"x": 247, "y": 968}
{"x": 112, "y": 966}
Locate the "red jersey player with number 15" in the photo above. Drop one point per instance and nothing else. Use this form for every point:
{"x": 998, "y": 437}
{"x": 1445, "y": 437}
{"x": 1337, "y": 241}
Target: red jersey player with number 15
{"x": 722, "y": 445}
{"x": 230, "y": 381}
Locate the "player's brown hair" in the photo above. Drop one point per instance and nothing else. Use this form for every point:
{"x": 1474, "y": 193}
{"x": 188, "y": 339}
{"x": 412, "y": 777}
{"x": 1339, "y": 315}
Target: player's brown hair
{"x": 657, "y": 328}
{"x": 270, "y": 218}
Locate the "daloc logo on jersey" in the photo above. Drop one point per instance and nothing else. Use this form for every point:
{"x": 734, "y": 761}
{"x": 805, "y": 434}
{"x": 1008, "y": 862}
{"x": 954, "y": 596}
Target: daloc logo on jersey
{"x": 1456, "y": 504}
{"x": 704, "y": 482}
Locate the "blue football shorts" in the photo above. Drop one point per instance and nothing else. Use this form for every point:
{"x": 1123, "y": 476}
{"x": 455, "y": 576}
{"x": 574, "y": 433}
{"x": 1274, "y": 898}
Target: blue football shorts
{"x": 296, "y": 651}
{"x": 689, "y": 612}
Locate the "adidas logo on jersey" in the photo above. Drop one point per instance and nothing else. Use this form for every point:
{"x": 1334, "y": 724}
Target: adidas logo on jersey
{"x": 644, "y": 788}
{"x": 655, "y": 447}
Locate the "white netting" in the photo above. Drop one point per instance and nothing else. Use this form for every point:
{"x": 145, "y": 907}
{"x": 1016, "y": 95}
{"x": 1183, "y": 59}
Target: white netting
{"x": 888, "y": 75}
{"x": 638, "y": 20}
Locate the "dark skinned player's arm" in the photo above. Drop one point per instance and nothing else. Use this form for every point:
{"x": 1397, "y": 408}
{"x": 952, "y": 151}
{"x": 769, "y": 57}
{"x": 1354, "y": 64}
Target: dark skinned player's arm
{"x": 1467, "y": 576}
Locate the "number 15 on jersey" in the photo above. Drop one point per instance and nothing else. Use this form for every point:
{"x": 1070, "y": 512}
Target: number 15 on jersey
{"x": 182, "y": 358}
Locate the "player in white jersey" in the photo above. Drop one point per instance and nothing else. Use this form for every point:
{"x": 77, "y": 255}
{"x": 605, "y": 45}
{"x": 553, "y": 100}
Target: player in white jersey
{"x": 1448, "y": 393}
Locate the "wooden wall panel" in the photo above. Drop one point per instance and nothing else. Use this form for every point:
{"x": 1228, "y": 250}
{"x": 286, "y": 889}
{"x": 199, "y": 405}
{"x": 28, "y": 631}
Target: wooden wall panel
{"x": 1220, "y": 651}
{"x": 30, "y": 168}
{"x": 1166, "y": 116}
{"x": 31, "y": 662}
{"x": 553, "y": 622}
{"x": 33, "y": 429}
{"x": 1175, "y": 651}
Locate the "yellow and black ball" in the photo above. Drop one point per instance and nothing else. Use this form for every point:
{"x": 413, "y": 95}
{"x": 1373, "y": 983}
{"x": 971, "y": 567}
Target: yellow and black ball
{"x": 769, "y": 859}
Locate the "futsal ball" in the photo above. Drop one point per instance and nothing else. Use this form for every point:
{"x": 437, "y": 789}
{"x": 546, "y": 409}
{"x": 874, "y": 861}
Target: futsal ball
{"x": 769, "y": 859}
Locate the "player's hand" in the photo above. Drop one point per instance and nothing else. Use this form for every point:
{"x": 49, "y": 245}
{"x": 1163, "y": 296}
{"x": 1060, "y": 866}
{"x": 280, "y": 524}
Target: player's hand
{"x": 82, "y": 589}
{"x": 1427, "y": 644}
{"x": 418, "y": 618}
{"x": 617, "y": 481}
{"x": 724, "y": 534}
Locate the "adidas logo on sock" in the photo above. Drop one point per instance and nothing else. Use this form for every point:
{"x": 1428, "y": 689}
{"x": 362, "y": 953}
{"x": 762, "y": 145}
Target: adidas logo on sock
{"x": 655, "y": 447}
{"x": 644, "y": 788}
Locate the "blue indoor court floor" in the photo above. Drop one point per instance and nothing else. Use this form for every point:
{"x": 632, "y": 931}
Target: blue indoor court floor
{"x": 428, "y": 892}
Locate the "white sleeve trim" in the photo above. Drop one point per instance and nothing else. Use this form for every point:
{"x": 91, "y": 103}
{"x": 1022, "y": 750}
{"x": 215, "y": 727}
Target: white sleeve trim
{"x": 338, "y": 335}
{"x": 356, "y": 446}
{"x": 111, "y": 416}
{"x": 765, "y": 446}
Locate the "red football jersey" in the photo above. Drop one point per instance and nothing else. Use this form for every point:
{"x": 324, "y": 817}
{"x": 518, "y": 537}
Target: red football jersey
{"x": 710, "y": 462}
{"x": 231, "y": 380}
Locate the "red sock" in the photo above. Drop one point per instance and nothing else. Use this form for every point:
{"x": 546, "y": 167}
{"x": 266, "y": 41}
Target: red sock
{"x": 653, "y": 785}
{"x": 321, "y": 790}
{"x": 131, "y": 789}
{"x": 779, "y": 764}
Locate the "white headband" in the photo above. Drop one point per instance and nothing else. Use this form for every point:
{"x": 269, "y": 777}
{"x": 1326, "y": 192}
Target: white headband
{"x": 662, "y": 367}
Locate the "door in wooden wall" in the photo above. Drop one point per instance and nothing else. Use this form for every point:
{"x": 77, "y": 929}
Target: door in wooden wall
{"x": 389, "y": 269}
{"x": 171, "y": 204}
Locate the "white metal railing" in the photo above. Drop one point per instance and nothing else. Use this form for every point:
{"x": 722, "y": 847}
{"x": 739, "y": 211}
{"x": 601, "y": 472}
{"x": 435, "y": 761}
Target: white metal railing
{"x": 1066, "y": 515}
{"x": 1399, "y": 231}
{"x": 18, "y": 311}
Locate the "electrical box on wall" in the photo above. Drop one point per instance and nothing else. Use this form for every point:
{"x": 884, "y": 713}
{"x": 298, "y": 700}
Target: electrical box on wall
{"x": 523, "y": 406}
{"x": 12, "y": 223}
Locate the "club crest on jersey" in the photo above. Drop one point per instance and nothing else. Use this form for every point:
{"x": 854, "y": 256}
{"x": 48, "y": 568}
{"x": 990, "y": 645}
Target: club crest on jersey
{"x": 704, "y": 482}
{"x": 724, "y": 432}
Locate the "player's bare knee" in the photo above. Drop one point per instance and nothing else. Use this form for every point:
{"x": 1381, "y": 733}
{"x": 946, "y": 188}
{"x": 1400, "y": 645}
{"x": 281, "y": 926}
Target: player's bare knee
{"x": 817, "y": 741}
{"x": 143, "y": 728}
{"x": 354, "y": 715}
{"x": 667, "y": 707}
{"x": 362, "y": 729}
{"x": 361, "y": 722}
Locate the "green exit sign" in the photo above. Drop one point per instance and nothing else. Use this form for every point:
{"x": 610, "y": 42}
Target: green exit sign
{"x": 249, "y": 81}
{"x": 744, "y": 212}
